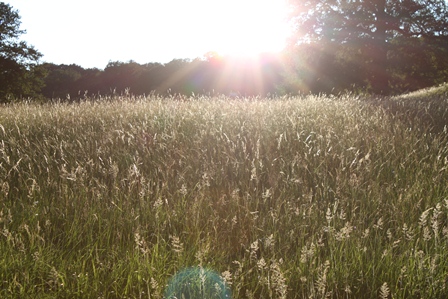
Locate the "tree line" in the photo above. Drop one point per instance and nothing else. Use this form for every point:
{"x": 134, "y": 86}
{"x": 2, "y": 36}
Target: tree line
{"x": 207, "y": 75}
{"x": 374, "y": 46}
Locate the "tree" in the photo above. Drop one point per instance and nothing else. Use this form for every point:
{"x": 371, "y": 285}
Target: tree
{"x": 62, "y": 81}
{"x": 371, "y": 29}
{"x": 121, "y": 76}
{"x": 19, "y": 73}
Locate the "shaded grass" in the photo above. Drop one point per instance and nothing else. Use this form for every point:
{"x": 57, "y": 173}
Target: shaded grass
{"x": 340, "y": 197}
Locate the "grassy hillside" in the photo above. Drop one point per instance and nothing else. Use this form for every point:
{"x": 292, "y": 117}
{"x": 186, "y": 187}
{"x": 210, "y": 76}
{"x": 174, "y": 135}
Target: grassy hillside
{"x": 311, "y": 197}
{"x": 440, "y": 91}
{"x": 424, "y": 110}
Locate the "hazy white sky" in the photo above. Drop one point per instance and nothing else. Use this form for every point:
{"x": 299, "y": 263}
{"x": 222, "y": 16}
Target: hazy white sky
{"x": 91, "y": 33}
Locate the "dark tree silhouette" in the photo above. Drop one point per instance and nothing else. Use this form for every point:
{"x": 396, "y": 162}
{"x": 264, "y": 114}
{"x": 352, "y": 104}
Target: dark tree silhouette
{"x": 61, "y": 80}
{"x": 19, "y": 73}
{"x": 372, "y": 30}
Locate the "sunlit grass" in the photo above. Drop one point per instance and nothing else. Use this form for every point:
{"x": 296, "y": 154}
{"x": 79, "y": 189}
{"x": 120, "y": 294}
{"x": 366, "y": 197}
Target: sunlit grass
{"x": 293, "y": 197}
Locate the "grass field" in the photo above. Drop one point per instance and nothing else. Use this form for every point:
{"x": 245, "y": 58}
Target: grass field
{"x": 291, "y": 197}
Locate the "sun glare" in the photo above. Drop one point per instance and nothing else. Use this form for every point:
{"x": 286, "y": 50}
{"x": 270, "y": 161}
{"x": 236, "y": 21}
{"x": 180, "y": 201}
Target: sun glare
{"x": 248, "y": 28}
{"x": 150, "y": 31}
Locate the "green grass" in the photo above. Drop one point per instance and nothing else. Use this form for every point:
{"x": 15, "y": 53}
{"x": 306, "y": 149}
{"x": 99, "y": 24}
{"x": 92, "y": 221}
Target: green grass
{"x": 293, "y": 197}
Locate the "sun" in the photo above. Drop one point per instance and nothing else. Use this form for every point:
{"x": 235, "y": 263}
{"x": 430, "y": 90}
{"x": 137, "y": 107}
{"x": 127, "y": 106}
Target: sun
{"x": 247, "y": 27}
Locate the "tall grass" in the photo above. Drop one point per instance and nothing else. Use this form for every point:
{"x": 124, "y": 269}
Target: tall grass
{"x": 293, "y": 197}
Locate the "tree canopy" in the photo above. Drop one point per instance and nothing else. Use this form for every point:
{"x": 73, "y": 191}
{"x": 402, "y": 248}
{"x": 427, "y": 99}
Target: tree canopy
{"x": 370, "y": 35}
{"x": 19, "y": 73}
{"x": 378, "y": 20}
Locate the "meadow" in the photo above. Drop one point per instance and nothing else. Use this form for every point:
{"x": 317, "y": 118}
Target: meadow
{"x": 285, "y": 197}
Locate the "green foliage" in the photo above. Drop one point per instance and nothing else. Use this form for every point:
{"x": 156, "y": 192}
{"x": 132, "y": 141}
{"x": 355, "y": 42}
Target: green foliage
{"x": 19, "y": 74}
{"x": 292, "y": 197}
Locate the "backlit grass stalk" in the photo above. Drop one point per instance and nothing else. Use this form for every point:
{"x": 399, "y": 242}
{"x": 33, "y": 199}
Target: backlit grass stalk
{"x": 293, "y": 197}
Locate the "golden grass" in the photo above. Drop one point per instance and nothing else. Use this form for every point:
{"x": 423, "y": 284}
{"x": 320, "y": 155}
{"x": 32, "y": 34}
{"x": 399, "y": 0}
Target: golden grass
{"x": 292, "y": 197}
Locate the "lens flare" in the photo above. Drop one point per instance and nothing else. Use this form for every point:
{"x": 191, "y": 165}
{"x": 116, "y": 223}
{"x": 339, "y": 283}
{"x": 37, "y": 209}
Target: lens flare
{"x": 197, "y": 283}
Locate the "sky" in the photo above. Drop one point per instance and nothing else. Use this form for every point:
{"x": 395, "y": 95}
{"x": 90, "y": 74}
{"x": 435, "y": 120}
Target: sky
{"x": 90, "y": 33}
